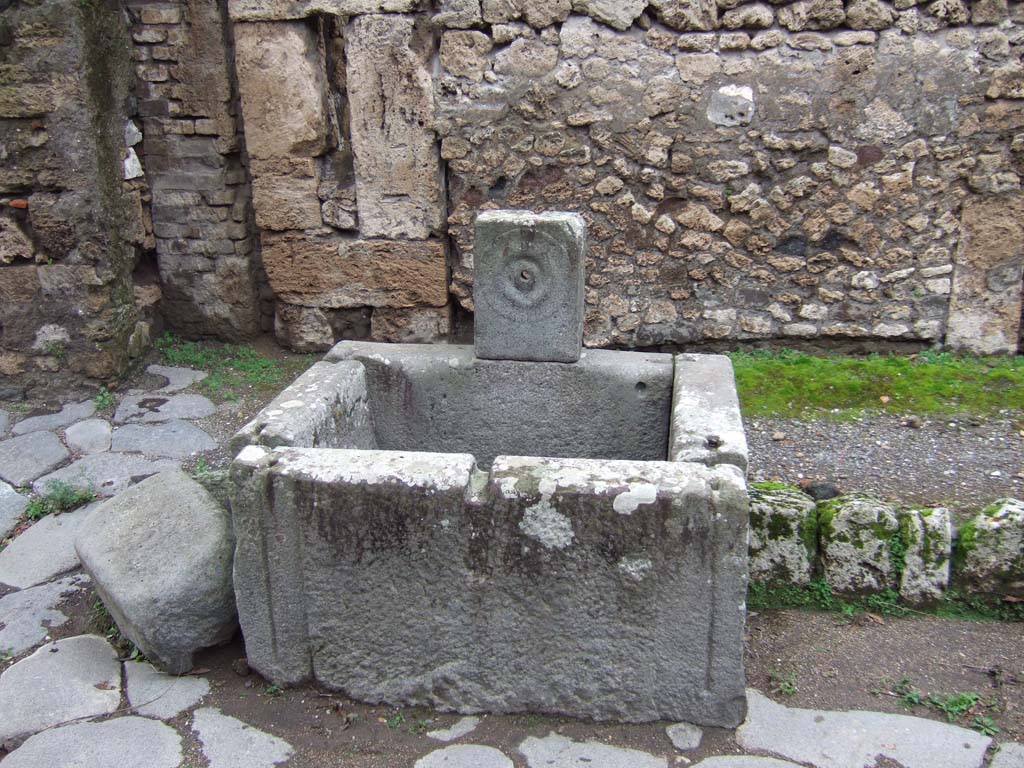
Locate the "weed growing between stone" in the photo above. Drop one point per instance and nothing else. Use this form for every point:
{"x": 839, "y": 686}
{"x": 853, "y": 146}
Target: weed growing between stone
{"x": 818, "y": 595}
{"x": 59, "y": 497}
{"x": 795, "y": 384}
{"x": 957, "y": 707}
{"x": 232, "y": 369}
{"x": 104, "y": 623}
{"x": 104, "y": 399}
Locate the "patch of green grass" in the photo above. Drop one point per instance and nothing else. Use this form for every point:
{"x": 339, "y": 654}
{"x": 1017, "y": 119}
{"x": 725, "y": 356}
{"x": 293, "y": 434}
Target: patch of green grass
{"x": 273, "y": 690}
{"x": 788, "y": 383}
{"x": 395, "y": 719}
{"x": 59, "y": 497}
{"x": 232, "y": 369}
{"x": 818, "y": 596}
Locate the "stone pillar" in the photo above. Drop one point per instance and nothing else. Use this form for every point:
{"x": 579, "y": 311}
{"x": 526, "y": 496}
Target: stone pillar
{"x": 193, "y": 157}
{"x": 985, "y": 303}
{"x": 69, "y": 223}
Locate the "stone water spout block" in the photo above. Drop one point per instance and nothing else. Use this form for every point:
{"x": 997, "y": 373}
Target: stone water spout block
{"x": 528, "y": 271}
{"x": 611, "y": 590}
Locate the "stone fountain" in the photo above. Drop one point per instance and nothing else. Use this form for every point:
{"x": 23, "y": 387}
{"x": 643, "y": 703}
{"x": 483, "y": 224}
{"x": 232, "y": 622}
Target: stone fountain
{"x": 521, "y": 525}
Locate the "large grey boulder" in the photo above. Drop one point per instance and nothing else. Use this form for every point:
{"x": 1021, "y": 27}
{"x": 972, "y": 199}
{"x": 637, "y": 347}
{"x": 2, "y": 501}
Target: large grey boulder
{"x": 160, "y": 555}
{"x": 991, "y": 549}
{"x": 856, "y": 534}
{"x": 783, "y": 534}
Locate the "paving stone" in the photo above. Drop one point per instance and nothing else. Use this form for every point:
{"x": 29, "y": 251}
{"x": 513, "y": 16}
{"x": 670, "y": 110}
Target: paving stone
{"x": 68, "y": 679}
{"x": 1010, "y": 755}
{"x": 12, "y": 504}
{"x": 89, "y": 436}
{"x": 106, "y": 474}
{"x": 45, "y": 550}
{"x": 555, "y": 751}
{"x": 177, "y": 378}
{"x": 154, "y": 694}
{"x": 855, "y": 739}
{"x": 69, "y": 414}
{"x": 684, "y": 735}
{"x": 744, "y": 761}
{"x": 5, "y": 420}
{"x": 27, "y": 616}
{"x": 464, "y": 756}
{"x": 153, "y": 408}
{"x": 230, "y": 743}
{"x": 23, "y": 459}
{"x": 175, "y": 439}
{"x": 456, "y": 731}
{"x": 125, "y": 742}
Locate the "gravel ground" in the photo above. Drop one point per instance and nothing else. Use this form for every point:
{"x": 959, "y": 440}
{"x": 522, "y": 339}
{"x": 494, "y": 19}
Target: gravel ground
{"x": 962, "y": 463}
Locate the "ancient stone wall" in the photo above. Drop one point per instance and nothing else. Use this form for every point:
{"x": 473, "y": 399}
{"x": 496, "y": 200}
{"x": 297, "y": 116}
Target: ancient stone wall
{"x": 72, "y": 220}
{"x": 748, "y": 171}
{"x": 193, "y": 156}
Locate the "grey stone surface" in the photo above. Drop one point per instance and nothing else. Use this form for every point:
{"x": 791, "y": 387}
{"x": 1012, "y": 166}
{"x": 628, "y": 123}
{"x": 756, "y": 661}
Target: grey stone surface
{"x": 160, "y": 556}
{"x": 43, "y": 551}
{"x": 457, "y": 730}
{"x": 528, "y": 275}
{"x": 744, "y": 761}
{"x": 684, "y": 736}
{"x": 154, "y": 694}
{"x": 5, "y": 419}
{"x": 854, "y": 534}
{"x": 12, "y": 504}
{"x": 106, "y": 474}
{"x": 89, "y": 436}
{"x": 23, "y": 459}
{"x": 855, "y": 739}
{"x": 1010, "y": 755}
{"x": 177, "y": 378}
{"x": 326, "y": 407}
{"x": 706, "y": 422}
{"x": 928, "y": 535}
{"x": 67, "y": 679}
{"x": 612, "y": 405}
{"x": 173, "y": 439}
{"x": 465, "y": 756}
{"x": 230, "y": 743}
{"x": 69, "y": 414}
{"x": 556, "y": 751}
{"x": 153, "y": 407}
{"x": 515, "y": 562}
{"x": 994, "y": 556}
{"x": 27, "y": 615}
{"x": 125, "y": 742}
{"x": 783, "y": 538}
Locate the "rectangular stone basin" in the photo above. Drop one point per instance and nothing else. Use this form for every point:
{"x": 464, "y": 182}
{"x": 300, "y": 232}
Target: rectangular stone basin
{"x": 416, "y": 526}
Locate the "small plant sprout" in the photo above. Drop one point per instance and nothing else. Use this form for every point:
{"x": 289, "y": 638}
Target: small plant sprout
{"x": 60, "y": 496}
{"x": 104, "y": 399}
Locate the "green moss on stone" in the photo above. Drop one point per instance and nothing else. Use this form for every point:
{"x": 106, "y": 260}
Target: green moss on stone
{"x": 768, "y": 485}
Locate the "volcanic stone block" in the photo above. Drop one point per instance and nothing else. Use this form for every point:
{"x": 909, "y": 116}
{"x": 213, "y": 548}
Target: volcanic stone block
{"x": 160, "y": 555}
{"x": 269, "y": 10}
{"x": 783, "y": 535}
{"x": 284, "y": 193}
{"x": 706, "y": 422}
{"x": 985, "y": 303}
{"x": 399, "y": 184}
{"x": 596, "y": 589}
{"x": 341, "y": 272}
{"x": 528, "y": 273}
{"x": 326, "y": 407}
{"x": 282, "y": 81}
{"x": 991, "y": 547}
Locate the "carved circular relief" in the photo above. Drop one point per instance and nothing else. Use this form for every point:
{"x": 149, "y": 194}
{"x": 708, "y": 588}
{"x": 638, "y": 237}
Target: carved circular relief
{"x": 524, "y": 275}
